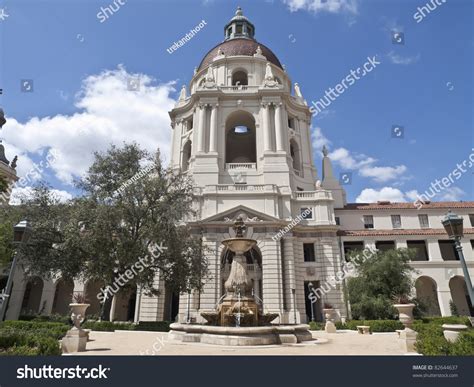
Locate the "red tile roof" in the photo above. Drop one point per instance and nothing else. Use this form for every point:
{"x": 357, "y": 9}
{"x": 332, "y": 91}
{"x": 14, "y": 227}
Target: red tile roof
{"x": 407, "y": 205}
{"x": 414, "y": 231}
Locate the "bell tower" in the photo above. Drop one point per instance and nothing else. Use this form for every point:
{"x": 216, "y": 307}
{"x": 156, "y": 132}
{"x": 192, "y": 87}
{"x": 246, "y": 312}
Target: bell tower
{"x": 7, "y": 169}
{"x": 243, "y": 123}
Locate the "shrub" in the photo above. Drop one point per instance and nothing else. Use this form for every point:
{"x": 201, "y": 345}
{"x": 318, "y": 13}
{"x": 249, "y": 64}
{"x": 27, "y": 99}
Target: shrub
{"x": 50, "y": 318}
{"x": 431, "y": 342}
{"x": 17, "y": 342}
{"x": 447, "y": 320}
{"x": 48, "y": 329}
{"x": 375, "y": 325}
{"x": 316, "y": 326}
{"x": 157, "y": 326}
{"x": 108, "y": 326}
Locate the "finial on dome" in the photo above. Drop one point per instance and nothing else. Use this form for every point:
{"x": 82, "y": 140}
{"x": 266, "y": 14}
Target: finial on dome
{"x": 325, "y": 151}
{"x": 182, "y": 94}
{"x": 239, "y": 11}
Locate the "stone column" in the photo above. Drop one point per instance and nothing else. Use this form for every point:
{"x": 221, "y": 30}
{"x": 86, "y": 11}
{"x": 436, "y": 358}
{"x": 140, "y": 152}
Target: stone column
{"x": 444, "y": 296}
{"x": 272, "y": 277}
{"x": 267, "y": 138}
{"x": 201, "y": 128}
{"x": 279, "y": 129}
{"x": 290, "y": 282}
{"x": 213, "y": 132}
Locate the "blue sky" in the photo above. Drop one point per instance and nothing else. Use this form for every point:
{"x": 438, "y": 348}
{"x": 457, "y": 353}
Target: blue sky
{"x": 80, "y": 66}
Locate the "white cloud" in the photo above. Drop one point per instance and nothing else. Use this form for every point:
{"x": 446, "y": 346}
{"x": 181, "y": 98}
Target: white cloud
{"x": 109, "y": 113}
{"x": 22, "y": 194}
{"x": 351, "y": 161}
{"x": 451, "y": 194}
{"x": 319, "y": 140}
{"x": 383, "y": 174}
{"x": 370, "y": 195}
{"x": 331, "y": 6}
{"x": 402, "y": 60}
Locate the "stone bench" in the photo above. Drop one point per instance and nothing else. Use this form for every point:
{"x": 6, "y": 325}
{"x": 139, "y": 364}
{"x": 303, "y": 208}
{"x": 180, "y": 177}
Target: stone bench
{"x": 363, "y": 329}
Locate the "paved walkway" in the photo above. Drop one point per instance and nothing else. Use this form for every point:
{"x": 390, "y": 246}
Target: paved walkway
{"x": 156, "y": 343}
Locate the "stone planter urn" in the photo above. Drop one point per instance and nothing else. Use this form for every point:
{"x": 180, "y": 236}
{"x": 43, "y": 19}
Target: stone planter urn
{"x": 451, "y": 331}
{"x": 405, "y": 313}
{"x": 329, "y": 315}
{"x": 407, "y": 336}
{"x": 76, "y": 337}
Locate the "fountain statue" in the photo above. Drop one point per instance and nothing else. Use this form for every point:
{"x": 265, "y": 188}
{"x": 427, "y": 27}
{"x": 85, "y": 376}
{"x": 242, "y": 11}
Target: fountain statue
{"x": 239, "y": 318}
{"x": 239, "y": 306}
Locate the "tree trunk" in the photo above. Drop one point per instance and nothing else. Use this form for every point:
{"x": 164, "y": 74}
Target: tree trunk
{"x": 105, "y": 308}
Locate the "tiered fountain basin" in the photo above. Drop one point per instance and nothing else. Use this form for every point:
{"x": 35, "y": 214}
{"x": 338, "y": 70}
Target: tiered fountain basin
{"x": 239, "y": 319}
{"x": 241, "y": 336}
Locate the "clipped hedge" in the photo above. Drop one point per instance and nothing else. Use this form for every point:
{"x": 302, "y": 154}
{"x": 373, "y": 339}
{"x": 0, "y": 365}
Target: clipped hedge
{"x": 446, "y": 320}
{"x": 110, "y": 326}
{"x": 157, "y": 326}
{"x": 375, "y": 325}
{"x": 50, "y": 318}
{"x": 47, "y": 329}
{"x": 20, "y": 343}
{"x": 316, "y": 326}
{"x": 431, "y": 342}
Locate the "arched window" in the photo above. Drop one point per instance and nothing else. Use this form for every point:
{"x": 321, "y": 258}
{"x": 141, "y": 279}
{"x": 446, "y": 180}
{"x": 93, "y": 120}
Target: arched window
{"x": 240, "y": 138}
{"x": 295, "y": 155}
{"x": 239, "y": 77}
{"x": 186, "y": 155}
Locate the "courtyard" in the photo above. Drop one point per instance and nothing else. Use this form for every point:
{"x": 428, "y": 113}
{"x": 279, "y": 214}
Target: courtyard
{"x": 344, "y": 342}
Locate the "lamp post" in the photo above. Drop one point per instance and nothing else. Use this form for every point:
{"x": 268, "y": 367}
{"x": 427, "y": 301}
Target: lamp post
{"x": 294, "y": 304}
{"x": 453, "y": 224}
{"x": 311, "y": 287}
{"x": 20, "y": 236}
{"x": 188, "y": 306}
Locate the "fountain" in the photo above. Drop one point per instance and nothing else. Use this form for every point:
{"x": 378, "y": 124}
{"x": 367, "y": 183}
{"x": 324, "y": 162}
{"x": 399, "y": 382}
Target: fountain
{"x": 239, "y": 319}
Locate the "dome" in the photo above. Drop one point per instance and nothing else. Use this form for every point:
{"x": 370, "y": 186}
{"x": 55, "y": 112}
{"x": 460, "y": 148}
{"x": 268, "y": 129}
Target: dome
{"x": 239, "y": 40}
{"x": 239, "y": 46}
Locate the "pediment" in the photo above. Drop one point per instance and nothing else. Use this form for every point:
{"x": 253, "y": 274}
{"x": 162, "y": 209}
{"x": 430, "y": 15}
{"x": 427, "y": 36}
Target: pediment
{"x": 248, "y": 215}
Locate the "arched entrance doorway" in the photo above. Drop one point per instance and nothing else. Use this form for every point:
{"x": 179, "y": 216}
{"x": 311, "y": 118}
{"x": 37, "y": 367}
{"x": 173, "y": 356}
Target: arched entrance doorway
{"x": 427, "y": 293}
{"x": 32, "y": 296}
{"x": 63, "y": 296}
{"x": 460, "y": 296}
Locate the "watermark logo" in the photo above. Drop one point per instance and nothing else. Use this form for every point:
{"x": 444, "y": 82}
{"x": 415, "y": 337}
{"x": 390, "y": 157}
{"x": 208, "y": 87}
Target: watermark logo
{"x": 398, "y": 37}
{"x": 186, "y": 38}
{"x": 129, "y": 274}
{"x": 304, "y": 215}
{"x": 345, "y": 178}
{"x": 133, "y": 84}
{"x": 110, "y": 10}
{"x": 3, "y": 14}
{"x": 155, "y": 348}
{"x": 26, "y": 85}
{"x": 397, "y": 131}
{"x": 419, "y": 15}
{"x": 331, "y": 94}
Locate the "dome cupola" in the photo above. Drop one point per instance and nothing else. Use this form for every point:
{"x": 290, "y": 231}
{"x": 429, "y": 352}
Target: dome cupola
{"x": 239, "y": 27}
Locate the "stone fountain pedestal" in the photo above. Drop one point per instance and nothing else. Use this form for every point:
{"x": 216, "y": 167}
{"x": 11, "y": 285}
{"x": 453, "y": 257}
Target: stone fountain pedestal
{"x": 243, "y": 336}
{"x": 239, "y": 319}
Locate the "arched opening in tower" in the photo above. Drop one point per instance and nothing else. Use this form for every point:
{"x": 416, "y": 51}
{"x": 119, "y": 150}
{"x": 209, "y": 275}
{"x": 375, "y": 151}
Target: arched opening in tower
{"x": 239, "y": 78}
{"x": 186, "y": 155}
{"x": 240, "y": 138}
{"x": 295, "y": 155}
